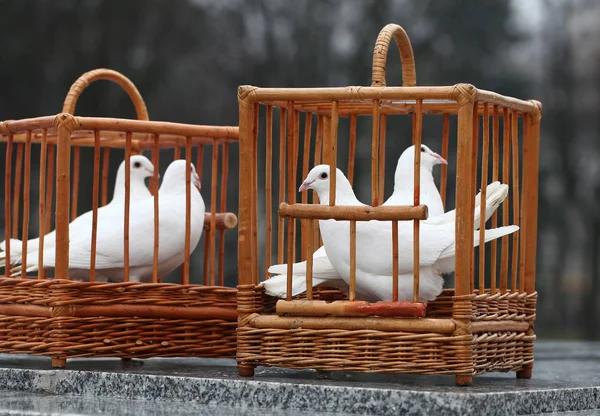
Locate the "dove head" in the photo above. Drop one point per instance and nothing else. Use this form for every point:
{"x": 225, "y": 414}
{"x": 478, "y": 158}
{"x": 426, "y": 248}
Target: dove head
{"x": 140, "y": 169}
{"x": 428, "y": 158}
{"x": 177, "y": 173}
{"x": 406, "y": 163}
{"x": 318, "y": 180}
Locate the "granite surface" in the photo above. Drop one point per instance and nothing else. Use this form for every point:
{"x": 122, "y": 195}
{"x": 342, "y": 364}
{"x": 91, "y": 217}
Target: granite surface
{"x": 566, "y": 378}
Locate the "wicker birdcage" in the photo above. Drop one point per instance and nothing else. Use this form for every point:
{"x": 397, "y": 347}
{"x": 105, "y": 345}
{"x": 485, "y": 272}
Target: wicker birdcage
{"x": 485, "y": 323}
{"x": 61, "y": 318}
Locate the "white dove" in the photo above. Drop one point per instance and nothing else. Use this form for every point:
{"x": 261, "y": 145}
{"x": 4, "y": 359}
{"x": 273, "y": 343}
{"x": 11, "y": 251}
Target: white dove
{"x": 323, "y": 271}
{"x": 110, "y": 237}
{"x": 374, "y": 248}
{"x": 140, "y": 169}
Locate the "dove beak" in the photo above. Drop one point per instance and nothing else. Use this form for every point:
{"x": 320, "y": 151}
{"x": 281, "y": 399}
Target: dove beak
{"x": 151, "y": 173}
{"x": 305, "y": 186}
{"x": 440, "y": 159}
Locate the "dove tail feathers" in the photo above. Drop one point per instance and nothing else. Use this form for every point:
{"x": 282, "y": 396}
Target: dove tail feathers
{"x": 495, "y": 194}
{"x": 277, "y": 285}
{"x": 445, "y": 263}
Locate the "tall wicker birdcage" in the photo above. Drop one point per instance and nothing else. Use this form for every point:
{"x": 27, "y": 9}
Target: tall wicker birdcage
{"x": 484, "y": 323}
{"x": 52, "y": 315}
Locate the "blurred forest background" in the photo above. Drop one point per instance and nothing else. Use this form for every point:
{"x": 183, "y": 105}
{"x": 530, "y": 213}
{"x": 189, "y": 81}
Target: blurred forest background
{"x": 187, "y": 58}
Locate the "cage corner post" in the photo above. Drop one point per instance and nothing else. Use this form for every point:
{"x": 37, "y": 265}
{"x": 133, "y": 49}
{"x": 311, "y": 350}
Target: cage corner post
{"x": 531, "y": 156}
{"x": 65, "y": 124}
{"x": 466, "y": 95}
{"x": 247, "y": 269}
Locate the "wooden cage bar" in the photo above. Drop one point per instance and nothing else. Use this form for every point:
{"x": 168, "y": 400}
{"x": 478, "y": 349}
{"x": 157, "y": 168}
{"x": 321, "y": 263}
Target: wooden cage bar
{"x": 94, "y": 237}
{"x": 17, "y": 188}
{"x": 42, "y": 203}
{"x": 75, "y": 189}
{"x": 482, "y": 206}
{"x": 515, "y": 199}
{"x": 26, "y": 205}
{"x": 7, "y": 199}
{"x": 444, "y": 168}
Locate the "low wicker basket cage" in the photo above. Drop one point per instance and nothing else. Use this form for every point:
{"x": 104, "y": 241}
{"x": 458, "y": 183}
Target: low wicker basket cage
{"x": 483, "y": 322}
{"x": 58, "y": 317}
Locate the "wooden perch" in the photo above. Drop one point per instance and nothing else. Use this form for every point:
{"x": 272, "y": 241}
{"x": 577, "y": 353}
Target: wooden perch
{"x": 347, "y": 308}
{"x": 224, "y": 221}
{"x": 350, "y": 213}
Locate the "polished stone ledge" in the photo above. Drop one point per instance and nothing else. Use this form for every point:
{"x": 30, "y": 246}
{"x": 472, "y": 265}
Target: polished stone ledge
{"x": 566, "y": 378}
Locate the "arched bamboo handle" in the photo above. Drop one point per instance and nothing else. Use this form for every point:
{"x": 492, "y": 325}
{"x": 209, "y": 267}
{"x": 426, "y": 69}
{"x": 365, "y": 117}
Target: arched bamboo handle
{"x": 114, "y": 76}
{"x": 409, "y": 76}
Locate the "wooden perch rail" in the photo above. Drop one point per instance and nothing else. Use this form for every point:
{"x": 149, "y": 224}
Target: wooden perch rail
{"x": 346, "y": 308}
{"x": 422, "y": 325}
{"x": 224, "y": 221}
{"x": 364, "y": 213}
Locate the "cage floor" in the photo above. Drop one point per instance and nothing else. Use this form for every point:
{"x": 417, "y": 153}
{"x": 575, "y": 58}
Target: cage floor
{"x": 566, "y": 378}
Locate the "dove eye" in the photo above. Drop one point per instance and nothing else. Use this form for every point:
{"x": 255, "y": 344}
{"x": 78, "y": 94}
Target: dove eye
{"x": 137, "y": 165}
{"x": 423, "y": 149}
{"x": 323, "y": 175}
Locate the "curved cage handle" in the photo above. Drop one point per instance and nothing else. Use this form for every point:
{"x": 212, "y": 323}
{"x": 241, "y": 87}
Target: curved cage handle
{"x": 409, "y": 76}
{"x": 114, "y": 76}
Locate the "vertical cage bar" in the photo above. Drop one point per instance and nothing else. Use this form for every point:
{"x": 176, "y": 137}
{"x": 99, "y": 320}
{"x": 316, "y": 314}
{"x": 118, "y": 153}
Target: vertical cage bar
{"x": 188, "y": 210}
{"x": 444, "y": 170}
{"x": 105, "y": 168}
{"x": 254, "y": 159}
{"x": 42, "y": 203}
{"x": 64, "y": 128}
{"x": 418, "y": 132}
{"x": 309, "y": 259}
{"x": 282, "y": 169}
{"x": 294, "y": 140}
{"x": 332, "y": 151}
{"x": 505, "y": 204}
{"x": 375, "y": 154}
{"x": 464, "y": 210}
{"x": 224, "y": 179}
{"x": 515, "y": 188}
{"x": 246, "y": 199}
{"x": 50, "y": 183}
{"x": 155, "y": 161}
{"x": 127, "y": 206}
{"x": 213, "y": 209}
{"x": 352, "y": 149}
{"x": 177, "y": 153}
{"x": 305, "y": 166}
{"x": 495, "y": 168}
{"x": 531, "y": 155}
{"x": 95, "y": 204}
{"x": 7, "y": 200}
{"x": 395, "y": 276}
{"x": 524, "y": 208}
{"x": 26, "y": 196}
{"x": 17, "y": 191}
{"x": 352, "y": 293}
{"x": 75, "y": 189}
{"x": 199, "y": 157}
{"x": 317, "y": 161}
{"x": 291, "y": 154}
{"x": 269, "y": 187}
{"x": 474, "y": 184}
{"x": 382, "y": 139}
{"x": 482, "y": 206}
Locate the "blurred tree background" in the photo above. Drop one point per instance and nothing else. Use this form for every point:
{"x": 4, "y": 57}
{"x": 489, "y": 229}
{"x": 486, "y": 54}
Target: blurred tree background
{"x": 187, "y": 58}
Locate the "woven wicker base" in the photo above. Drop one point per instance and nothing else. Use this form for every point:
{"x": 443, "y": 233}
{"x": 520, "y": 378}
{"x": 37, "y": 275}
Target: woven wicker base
{"x": 487, "y": 333}
{"x": 65, "y": 319}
